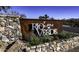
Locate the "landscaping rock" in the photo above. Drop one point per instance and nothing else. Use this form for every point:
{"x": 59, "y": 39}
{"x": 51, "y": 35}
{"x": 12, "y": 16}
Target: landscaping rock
{"x": 2, "y": 46}
{"x": 10, "y": 27}
{"x": 38, "y": 49}
{"x": 5, "y": 39}
{"x": 28, "y": 49}
{"x": 43, "y": 48}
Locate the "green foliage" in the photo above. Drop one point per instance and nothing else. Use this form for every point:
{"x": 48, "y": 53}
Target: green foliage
{"x": 34, "y": 40}
{"x": 44, "y": 39}
{"x": 65, "y": 35}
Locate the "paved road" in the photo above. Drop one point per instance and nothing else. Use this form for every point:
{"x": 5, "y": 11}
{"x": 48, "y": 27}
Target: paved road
{"x": 71, "y": 29}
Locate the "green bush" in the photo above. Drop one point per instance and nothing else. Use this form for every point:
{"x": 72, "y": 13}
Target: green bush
{"x": 34, "y": 40}
{"x": 65, "y": 35}
{"x": 46, "y": 38}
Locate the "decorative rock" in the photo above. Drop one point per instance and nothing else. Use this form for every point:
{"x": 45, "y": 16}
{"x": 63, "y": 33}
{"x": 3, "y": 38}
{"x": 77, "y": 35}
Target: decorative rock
{"x": 12, "y": 39}
{"x": 18, "y": 33}
{"x": 55, "y": 42}
{"x": 10, "y": 20}
{"x": 28, "y": 49}
{"x": 5, "y": 39}
{"x": 59, "y": 44}
{"x": 43, "y": 48}
{"x": 2, "y": 29}
{"x": 2, "y": 24}
{"x": 52, "y": 46}
{"x": 66, "y": 46}
{"x": 32, "y": 49}
{"x": 47, "y": 44}
{"x": 38, "y": 49}
{"x": 10, "y": 27}
{"x": 58, "y": 48}
{"x": 39, "y": 46}
{"x": 47, "y": 48}
{"x": 78, "y": 38}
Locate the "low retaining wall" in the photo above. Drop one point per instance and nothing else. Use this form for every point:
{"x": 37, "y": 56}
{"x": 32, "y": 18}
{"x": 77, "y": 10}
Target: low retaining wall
{"x": 55, "y": 46}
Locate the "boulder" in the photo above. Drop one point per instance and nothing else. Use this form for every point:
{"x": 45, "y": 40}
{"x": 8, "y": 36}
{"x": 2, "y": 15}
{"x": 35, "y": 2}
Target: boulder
{"x": 10, "y": 27}
{"x": 58, "y": 48}
{"x": 28, "y": 49}
{"x": 38, "y": 49}
{"x": 5, "y": 39}
{"x": 2, "y": 46}
{"x": 2, "y": 29}
{"x": 2, "y": 24}
{"x": 43, "y": 48}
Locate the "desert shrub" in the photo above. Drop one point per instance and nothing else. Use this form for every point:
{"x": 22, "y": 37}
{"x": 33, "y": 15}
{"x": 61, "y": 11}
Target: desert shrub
{"x": 34, "y": 40}
{"x": 65, "y": 35}
{"x": 46, "y": 38}
{"x": 55, "y": 37}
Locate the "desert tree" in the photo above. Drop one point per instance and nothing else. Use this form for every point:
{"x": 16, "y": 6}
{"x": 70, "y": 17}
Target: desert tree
{"x": 41, "y": 17}
{"x": 4, "y": 8}
{"x": 44, "y": 17}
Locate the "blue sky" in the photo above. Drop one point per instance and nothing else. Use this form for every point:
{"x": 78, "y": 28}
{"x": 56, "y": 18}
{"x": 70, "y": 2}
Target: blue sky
{"x": 57, "y": 12}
